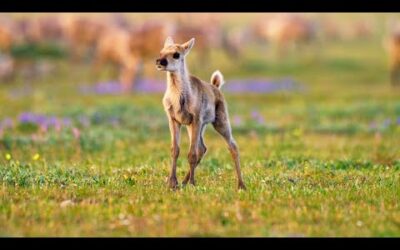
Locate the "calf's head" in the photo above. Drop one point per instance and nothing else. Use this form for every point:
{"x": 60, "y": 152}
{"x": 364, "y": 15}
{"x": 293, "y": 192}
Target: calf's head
{"x": 172, "y": 55}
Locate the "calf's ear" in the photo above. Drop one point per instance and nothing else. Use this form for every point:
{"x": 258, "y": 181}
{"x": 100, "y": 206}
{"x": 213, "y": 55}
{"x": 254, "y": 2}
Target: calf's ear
{"x": 168, "y": 42}
{"x": 188, "y": 45}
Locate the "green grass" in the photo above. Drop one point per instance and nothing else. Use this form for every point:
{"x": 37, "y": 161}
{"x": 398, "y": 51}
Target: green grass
{"x": 38, "y": 51}
{"x": 326, "y": 162}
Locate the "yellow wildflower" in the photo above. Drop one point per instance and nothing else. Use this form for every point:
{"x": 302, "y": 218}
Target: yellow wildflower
{"x": 36, "y": 157}
{"x": 298, "y": 132}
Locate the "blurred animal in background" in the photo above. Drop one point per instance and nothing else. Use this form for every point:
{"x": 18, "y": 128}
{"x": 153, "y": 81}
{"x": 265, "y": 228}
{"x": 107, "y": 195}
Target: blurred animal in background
{"x": 131, "y": 44}
{"x": 138, "y": 43}
{"x": 331, "y": 30}
{"x": 81, "y": 34}
{"x": 28, "y": 30}
{"x": 364, "y": 29}
{"x": 259, "y": 30}
{"x": 184, "y": 32}
{"x": 37, "y": 30}
{"x": 51, "y": 29}
{"x": 392, "y": 45}
{"x": 285, "y": 31}
{"x": 7, "y": 66}
{"x": 234, "y": 41}
{"x": 12, "y": 34}
{"x": 114, "y": 47}
{"x": 119, "y": 20}
{"x": 145, "y": 39}
{"x": 31, "y": 39}
{"x": 128, "y": 49}
{"x": 358, "y": 30}
{"x": 6, "y": 35}
{"x": 210, "y": 35}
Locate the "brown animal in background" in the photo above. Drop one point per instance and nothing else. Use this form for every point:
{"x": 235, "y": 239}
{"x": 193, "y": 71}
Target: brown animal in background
{"x": 128, "y": 49}
{"x": 259, "y": 29}
{"x": 119, "y": 20}
{"x": 7, "y": 67}
{"x": 331, "y": 30}
{"x": 235, "y": 40}
{"x": 192, "y": 102}
{"x": 393, "y": 46}
{"x": 358, "y": 30}
{"x": 210, "y": 35}
{"x": 51, "y": 28}
{"x": 363, "y": 29}
{"x": 82, "y": 34}
{"x": 185, "y": 32}
{"x": 6, "y": 38}
{"x": 114, "y": 47}
{"x": 8, "y": 34}
{"x": 29, "y": 31}
{"x": 39, "y": 29}
{"x": 147, "y": 38}
{"x": 286, "y": 30}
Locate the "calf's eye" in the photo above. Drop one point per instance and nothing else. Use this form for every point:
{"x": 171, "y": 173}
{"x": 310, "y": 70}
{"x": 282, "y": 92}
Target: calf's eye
{"x": 175, "y": 55}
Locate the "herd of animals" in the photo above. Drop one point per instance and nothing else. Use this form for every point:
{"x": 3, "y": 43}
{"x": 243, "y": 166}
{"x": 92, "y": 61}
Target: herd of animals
{"x": 127, "y": 44}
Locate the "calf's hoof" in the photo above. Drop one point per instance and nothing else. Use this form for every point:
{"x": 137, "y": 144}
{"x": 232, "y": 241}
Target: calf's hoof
{"x": 173, "y": 183}
{"x": 241, "y": 186}
{"x": 185, "y": 181}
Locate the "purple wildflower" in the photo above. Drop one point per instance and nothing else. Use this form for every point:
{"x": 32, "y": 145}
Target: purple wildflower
{"x": 237, "y": 120}
{"x": 114, "y": 121}
{"x": 102, "y": 88}
{"x": 109, "y": 88}
{"x": 6, "y": 123}
{"x": 149, "y": 85}
{"x": 387, "y": 122}
{"x": 40, "y": 119}
{"x": 27, "y": 117}
{"x": 261, "y": 86}
{"x": 66, "y": 122}
{"x": 257, "y": 116}
{"x": 52, "y": 121}
{"x": 84, "y": 121}
{"x": 45, "y": 122}
{"x": 142, "y": 85}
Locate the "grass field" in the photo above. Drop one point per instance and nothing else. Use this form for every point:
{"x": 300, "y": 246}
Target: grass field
{"x": 320, "y": 162}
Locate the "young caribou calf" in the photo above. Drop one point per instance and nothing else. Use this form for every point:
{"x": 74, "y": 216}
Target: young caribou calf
{"x": 192, "y": 102}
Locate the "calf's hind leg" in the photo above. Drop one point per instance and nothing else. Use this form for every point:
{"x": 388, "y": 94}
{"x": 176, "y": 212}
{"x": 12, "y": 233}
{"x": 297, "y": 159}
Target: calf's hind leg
{"x": 223, "y": 127}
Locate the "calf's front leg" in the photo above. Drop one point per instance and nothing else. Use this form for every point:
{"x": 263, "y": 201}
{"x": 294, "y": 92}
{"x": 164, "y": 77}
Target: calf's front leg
{"x": 202, "y": 149}
{"x": 175, "y": 133}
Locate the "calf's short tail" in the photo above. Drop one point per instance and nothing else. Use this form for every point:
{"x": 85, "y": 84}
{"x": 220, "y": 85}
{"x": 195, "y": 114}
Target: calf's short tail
{"x": 217, "y": 79}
